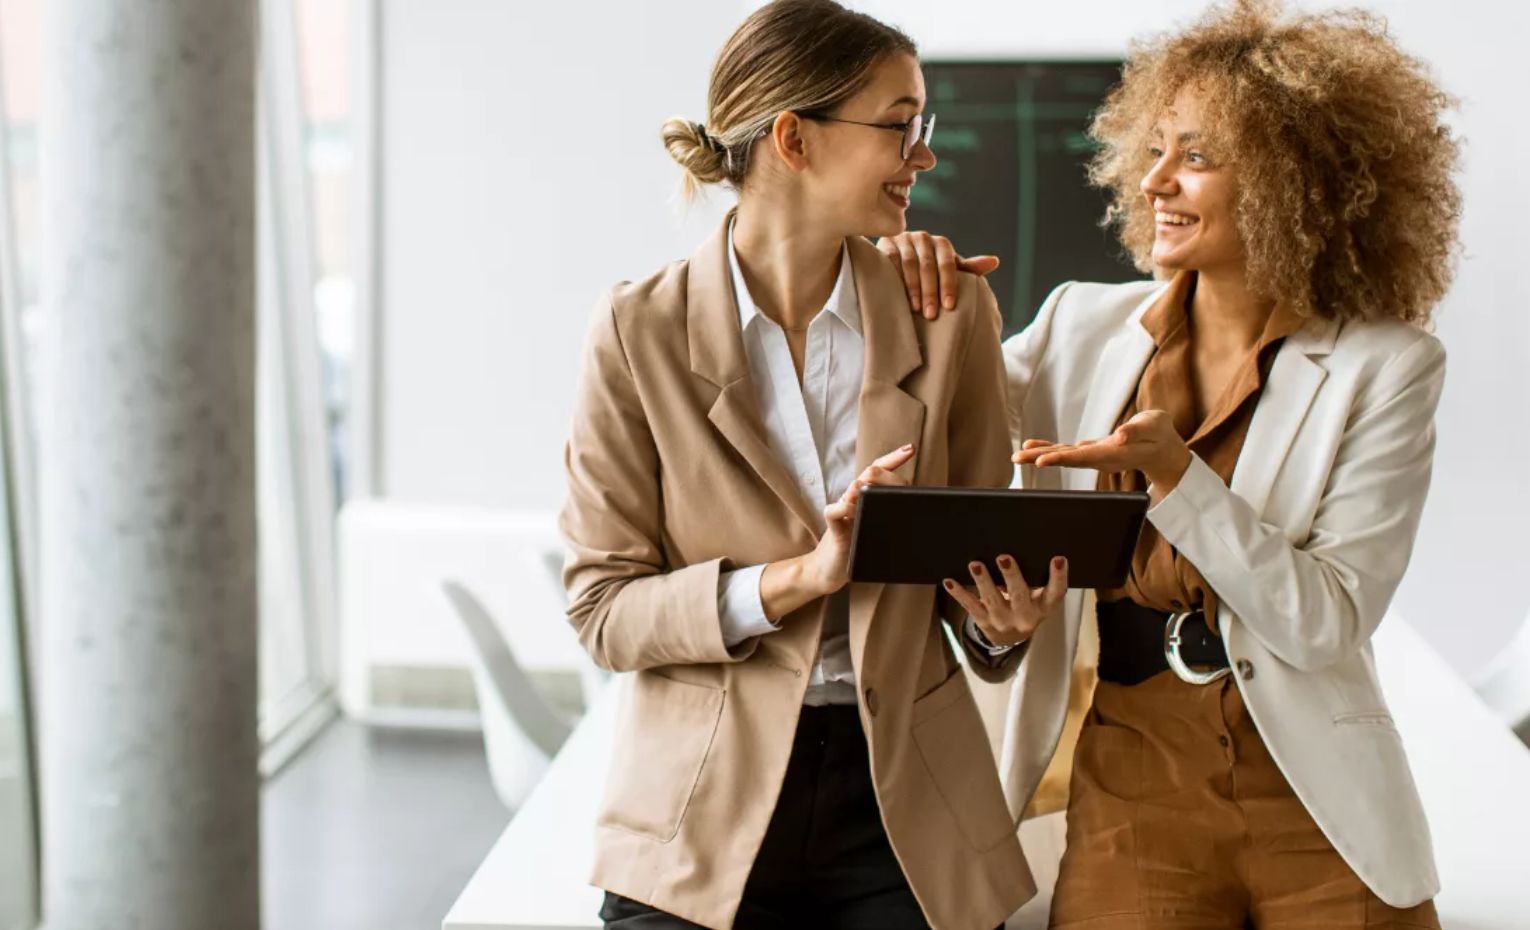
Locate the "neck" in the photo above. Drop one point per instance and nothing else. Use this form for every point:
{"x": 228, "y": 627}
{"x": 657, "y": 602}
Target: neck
{"x": 789, "y": 263}
{"x": 1225, "y": 310}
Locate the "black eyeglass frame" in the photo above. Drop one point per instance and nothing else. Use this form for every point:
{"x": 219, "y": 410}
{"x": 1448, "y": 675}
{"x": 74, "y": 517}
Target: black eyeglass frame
{"x": 919, "y": 128}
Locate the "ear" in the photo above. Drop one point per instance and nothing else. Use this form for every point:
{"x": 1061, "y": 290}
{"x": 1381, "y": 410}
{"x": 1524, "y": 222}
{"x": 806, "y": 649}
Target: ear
{"x": 786, "y": 136}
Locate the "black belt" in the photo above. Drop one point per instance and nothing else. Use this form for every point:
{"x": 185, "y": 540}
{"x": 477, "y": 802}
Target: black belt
{"x": 1134, "y": 644}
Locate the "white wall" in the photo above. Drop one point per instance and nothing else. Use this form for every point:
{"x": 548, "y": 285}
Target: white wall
{"x": 522, "y": 175}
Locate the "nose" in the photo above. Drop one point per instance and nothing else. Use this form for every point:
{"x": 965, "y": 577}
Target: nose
{"x": 922, "y": 158}
{"x": 1159, "y": 180}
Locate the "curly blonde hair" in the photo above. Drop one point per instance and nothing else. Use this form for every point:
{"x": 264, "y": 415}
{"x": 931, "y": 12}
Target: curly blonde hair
{"x": 1346, "y": 198}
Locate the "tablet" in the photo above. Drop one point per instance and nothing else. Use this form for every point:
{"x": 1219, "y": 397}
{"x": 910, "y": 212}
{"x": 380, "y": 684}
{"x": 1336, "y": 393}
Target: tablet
{"x": 924, "y": 535}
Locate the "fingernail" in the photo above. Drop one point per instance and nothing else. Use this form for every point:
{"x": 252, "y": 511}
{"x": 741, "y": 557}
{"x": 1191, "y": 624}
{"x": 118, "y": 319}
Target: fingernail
{"x": 907, "y": 448}
{"x": 929, "y": 306}
{"x": 1059, "y": 563}
{"x": 950, "y": 303}
{"x": 1005, "y": 561}
{"x": 976, "y": 567}
{"x": 950, "y": 585}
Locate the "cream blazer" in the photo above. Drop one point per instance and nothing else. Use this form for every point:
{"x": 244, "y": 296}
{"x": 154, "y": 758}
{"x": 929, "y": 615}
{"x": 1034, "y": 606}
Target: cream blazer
{"x": 1305, "y": 548}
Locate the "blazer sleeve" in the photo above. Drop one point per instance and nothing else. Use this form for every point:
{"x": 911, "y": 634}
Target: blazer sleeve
{"x": 978, "y": 441}
{"x": 630, "y": 608}
{"x": 1317, "y": 603}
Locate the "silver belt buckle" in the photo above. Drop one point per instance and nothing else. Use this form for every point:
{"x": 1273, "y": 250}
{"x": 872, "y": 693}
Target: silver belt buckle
{"x": 1171, "y": 643}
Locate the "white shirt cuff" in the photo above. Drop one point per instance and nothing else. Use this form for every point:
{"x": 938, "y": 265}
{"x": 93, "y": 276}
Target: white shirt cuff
{"x": 976, "y": 637}
{"x": 739, "y": 606}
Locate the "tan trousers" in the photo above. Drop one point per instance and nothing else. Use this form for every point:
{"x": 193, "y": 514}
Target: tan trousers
{"x": 1179, "y": 818}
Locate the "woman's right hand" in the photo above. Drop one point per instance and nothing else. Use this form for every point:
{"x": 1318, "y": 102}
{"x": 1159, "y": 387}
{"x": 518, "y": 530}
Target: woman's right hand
{"x": 831, "y": 559}
{"x": 929, "y": 264}
{"x": 786, "y": 586}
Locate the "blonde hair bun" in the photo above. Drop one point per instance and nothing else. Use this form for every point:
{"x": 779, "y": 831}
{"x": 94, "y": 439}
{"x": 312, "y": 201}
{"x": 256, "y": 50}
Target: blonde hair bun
{"x": 704, "y": 159}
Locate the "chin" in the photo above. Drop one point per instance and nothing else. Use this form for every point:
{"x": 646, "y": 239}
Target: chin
{"x": 1172, "y": 261}
{"x": 879, "y": 227}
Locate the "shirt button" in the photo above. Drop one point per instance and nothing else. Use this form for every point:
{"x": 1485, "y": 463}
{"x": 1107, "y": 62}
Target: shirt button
{"x": 1177, "y": 605}
{"x": 1245, "y": 669}
{"x": 871, "y": 701}
{"x": 1223, "y": 741}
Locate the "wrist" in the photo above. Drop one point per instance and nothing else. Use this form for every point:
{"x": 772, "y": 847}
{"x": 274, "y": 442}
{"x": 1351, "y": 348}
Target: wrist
{"x": 998, "y": 641}
{"x": 788, "y": 584}
{"x": 1166, "y": 478}
{"x": 815, "y": 579}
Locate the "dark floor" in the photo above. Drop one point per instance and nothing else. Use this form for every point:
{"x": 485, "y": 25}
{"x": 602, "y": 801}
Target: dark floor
{"x": 376, "y": 829}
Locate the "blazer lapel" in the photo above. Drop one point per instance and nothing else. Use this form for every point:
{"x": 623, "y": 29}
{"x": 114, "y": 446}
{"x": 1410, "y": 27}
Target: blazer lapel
{"x": 1115, "y": 378}
{"x": 890, "y": 417}
{"x": 1288, "y": 392}
{"x": 717, "y": 355}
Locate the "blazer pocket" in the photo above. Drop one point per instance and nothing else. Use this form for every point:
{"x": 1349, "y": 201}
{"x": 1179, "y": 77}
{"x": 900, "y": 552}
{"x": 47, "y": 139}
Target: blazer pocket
{"x": 1374, "y": 718}
{"x": 664, "y": 731}
{"x": 949, "y": 735}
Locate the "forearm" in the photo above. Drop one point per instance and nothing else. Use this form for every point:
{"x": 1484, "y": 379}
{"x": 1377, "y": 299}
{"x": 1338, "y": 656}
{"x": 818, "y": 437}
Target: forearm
{"x": 790, "y": 584}
{"x": 629, "y": 622}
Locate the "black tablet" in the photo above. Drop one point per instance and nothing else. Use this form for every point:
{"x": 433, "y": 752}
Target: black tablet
{"x": 924, "y": 535}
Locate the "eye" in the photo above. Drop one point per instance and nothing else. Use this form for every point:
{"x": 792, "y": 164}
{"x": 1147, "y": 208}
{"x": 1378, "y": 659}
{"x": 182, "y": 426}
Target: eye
{"x": 1195, "y": 158}
{"x": 1155, "y": 151}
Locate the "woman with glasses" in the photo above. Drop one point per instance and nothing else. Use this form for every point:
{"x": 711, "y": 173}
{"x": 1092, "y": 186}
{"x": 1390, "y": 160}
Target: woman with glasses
{"x": 795, "y": 750}
{"x": 1290, "y": 180}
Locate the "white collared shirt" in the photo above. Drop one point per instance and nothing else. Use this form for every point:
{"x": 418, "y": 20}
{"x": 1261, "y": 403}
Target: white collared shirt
{"x": 812, "y": 428}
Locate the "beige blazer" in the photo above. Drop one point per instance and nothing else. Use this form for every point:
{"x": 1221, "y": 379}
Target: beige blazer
{"x": 1304, "y": 548}
{"x": 670, "y": 482}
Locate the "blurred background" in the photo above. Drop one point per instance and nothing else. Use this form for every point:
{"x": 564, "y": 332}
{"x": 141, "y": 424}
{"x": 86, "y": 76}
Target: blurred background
{"x": 443, "y": 190}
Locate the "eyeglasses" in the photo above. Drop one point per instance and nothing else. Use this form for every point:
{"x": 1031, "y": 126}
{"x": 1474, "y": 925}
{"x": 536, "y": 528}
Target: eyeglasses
{"x": 916, "y": 130}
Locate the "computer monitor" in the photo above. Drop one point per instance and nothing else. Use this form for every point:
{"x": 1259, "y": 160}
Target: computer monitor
{"x": 1012, "y": 146}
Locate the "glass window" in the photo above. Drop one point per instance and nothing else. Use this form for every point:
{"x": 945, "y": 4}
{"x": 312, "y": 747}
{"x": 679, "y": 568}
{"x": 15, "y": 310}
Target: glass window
{"x": 19, "y": 24}
{"x": 324, "y": 63}
{"x": 18, "y": 825}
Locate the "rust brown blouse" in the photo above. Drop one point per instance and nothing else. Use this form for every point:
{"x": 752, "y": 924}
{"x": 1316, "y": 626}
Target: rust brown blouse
{"x": 1160, "y": 577}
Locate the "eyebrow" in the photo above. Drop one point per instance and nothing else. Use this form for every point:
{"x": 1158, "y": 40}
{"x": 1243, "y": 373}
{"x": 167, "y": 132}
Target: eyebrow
{"x": 1182, "y": 138}
{"x": 911, "y": 101}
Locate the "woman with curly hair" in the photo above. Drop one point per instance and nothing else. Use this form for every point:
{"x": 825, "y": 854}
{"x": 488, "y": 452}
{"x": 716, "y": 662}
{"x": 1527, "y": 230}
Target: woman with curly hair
{"x": 1289, "y": 180}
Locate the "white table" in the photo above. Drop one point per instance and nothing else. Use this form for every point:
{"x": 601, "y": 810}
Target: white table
{"x": 1473, "y": 773}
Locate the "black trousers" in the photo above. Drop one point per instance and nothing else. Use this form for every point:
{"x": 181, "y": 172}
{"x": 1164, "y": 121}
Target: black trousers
{"x": 825, "y": 861}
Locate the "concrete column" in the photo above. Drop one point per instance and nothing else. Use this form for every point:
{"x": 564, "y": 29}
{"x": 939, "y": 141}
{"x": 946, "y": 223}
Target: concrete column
{"x": 147, "y": 684}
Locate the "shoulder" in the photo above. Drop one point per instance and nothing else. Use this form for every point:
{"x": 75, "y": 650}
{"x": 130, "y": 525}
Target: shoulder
{"x": 1078, "y": 314}
{"x": 1386, "y": 340}
{"x": 651, "y": 302}
{"x": 1385, "y": 356}
{"x": 1091, "y": 305}
{"x": 633, "y": 314}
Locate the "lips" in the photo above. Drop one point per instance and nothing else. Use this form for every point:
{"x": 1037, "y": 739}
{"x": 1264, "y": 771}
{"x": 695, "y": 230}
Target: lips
{"x": 1171, "y": 218}
{"x": 898, "y": 193}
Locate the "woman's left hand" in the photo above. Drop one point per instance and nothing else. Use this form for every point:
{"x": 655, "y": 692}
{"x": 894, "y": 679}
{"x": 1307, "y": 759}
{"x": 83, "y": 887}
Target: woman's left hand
{"x": 1147, "y": 443}
{"x": 1009, "y": 615}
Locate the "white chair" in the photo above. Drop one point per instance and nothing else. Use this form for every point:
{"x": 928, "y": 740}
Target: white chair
{"x": 521, "y": 730}
{"x": 1505, "y": 684}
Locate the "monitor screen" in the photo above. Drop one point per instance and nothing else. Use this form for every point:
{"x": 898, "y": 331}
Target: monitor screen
{"x": 1012, "y": 148}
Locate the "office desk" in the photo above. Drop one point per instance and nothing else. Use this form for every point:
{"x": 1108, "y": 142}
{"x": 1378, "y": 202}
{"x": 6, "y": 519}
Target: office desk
{"x": 1473, "y": 773}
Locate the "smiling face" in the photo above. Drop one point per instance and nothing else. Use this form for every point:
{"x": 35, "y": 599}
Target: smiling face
{"x": 1192, "y": 196}
{"x": 857, "y": 176}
